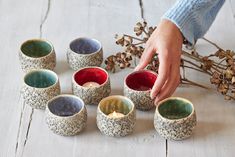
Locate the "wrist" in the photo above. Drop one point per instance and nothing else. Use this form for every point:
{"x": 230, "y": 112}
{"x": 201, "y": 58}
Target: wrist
{"x": 170, "y": 26}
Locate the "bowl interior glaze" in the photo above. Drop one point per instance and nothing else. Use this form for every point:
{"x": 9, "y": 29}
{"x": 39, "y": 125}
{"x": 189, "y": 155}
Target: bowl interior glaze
{"x": 36, "y": 48}
{"x": 91, "y": 75}
{"x": 85, "y": 46}
{"x": 65, "y": 106}
{"x": 40, "y": 78}
{"x": 141, "y": 80}
{"x": 175, "y": 109}
{"x": 110, "y": 104}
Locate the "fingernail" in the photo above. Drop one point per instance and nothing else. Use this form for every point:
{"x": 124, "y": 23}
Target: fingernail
{"x": 136, "y": 68}
{"x": 155, "y": 103}
{"x": 156, "y": 100}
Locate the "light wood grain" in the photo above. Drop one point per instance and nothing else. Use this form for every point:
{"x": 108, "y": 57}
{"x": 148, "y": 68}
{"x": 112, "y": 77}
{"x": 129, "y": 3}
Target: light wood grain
{"x": 215, "y": 132}
{"x": 101, "y": 20}
{"x": 23, "y": 131}
{"x": 16, "y": 26}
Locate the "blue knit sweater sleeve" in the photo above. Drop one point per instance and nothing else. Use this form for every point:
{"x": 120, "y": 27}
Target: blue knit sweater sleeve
{"x": 193, "y": 17}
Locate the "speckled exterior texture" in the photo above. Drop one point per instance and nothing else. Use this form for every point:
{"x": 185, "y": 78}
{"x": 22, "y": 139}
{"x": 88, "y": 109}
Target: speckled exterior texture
{"x": 91, "y": 96}
{"x": 116, "y": 127}
{"x": 77, "y": 61}
{"x": 38, "y": 97}
{"x": 174, "y": 129}
{"x": 67, "y": 126}
{"x": 45, "y": 62}
{"x": 141, "y": 99}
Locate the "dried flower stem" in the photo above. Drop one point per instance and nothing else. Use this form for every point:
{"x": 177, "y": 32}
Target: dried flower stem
{"x": 219, "y": 66}
{"x": 189, "y": 82}
{"x": 212, "y": 43}
{"x": 125, "y": 35}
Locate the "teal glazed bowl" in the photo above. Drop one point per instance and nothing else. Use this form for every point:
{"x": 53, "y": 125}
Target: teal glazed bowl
{"x": 84, "y": 52}
{"x": 37, "y": 54}
{"x": 108, "y": 121}
{"x": 175, "y": 118}
{"x": 66, "y": 115}
{"x": 40, "y": 85}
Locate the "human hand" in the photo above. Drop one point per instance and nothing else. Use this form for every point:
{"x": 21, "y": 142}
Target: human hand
{"x": 167, "y": 41}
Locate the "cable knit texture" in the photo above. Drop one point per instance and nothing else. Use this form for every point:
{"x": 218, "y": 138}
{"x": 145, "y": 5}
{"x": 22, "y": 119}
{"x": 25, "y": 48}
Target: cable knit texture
{"x": 193, "y": 17}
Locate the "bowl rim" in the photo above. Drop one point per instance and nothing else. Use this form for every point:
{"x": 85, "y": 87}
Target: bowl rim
{"x": 89, "y": 54}
{"x": 33, "y": 70}
{"x": 37, "y": 39}
{"x": 139, "y": 71}
{"x": 88, "y": 67}
{"x": 65, "y": 95}
{"x": 120, "y": 97}
{"x": 174, "y": 98}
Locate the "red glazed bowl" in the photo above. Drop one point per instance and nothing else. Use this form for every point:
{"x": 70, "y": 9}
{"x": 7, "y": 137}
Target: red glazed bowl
{"x": 91, "y": 94}
{"x": 137, "y": 87}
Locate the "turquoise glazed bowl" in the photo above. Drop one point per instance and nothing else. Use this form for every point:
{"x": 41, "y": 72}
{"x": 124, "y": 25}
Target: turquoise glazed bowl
{"x": 84, "y": 52}
{"x": 137, "y": 87}
{"x": 175, "y": 118}
{"x": 91, "y": 95}
{"x": 37, "y": 54}
{"x": 66, "y": 115}
{"x": 40, "y": 85}
{"x": 112, "y": 125}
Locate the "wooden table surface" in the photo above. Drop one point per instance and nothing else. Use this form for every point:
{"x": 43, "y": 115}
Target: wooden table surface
{"x": 23, "y": 132}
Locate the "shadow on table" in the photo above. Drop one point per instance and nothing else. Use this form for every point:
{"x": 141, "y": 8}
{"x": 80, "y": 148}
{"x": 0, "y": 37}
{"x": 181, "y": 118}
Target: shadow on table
{"x": 193, "y": 94}
{"x": 116, "y": 91}
{"x": 143, "y": 127}
{"x": 61, "y": 67}
{"x": 90, "y": 126}
{"x": 206, "y": 129}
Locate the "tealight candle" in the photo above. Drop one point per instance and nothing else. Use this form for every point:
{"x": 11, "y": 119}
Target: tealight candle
{"x": 91, "y": 84}
{"x": 115, "y": 114}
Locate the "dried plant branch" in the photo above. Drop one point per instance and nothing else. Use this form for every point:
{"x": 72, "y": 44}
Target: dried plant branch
{"x": 211, "y": 43}
{"x": 219, "y": 66}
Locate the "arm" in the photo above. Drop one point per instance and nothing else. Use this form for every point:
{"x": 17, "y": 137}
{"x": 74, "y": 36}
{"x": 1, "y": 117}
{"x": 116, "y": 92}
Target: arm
{"x": 193, "y": 17}
{"x": 188, "y": 18}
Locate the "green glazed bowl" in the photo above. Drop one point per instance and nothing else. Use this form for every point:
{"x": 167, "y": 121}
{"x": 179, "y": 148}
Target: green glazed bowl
{"x": 37, "y": 54}
{"x": 175, "y": 118}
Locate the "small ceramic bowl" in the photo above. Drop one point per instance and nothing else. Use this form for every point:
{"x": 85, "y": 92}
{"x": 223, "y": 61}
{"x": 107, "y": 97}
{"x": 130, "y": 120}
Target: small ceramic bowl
{"x": 91, "y": 94}
{"x": 37, "y": 54}
{"x": 137, "y": 87}
{"x": 40, "y": 85}
{"x": 109, "y": 122}
{"x": 84, "y": 52}
{"x": 175, "y": 118}
{"x": 66, "y": 115}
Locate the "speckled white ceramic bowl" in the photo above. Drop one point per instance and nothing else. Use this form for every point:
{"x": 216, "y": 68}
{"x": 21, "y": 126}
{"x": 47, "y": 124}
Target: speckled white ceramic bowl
{"x": 175, "y": 118}
{"x": 66, "y": 115}
{"x": 137, "y": 87}
{"x": 119, "y": 126}
{"x": 84, "y": 52}
{"x": 91, "y": 95}
{"x": 40, "y": 85}
{"x": 37, "y": 54}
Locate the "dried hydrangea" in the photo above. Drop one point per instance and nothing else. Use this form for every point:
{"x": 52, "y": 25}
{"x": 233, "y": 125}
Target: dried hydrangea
{"x": 220, "y": 65}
